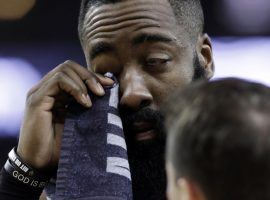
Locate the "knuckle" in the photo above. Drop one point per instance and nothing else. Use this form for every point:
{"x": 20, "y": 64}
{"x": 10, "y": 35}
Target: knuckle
{"x": 64, "y": 65}
{"x": 61, "y": 67}
{"x": 69, "y": 62}
{"x": 91, "y": 77}
{"x": 59, "y": 76}
{"x": 64, "y": 70}
{"x": 30, "y": 96}
{"x": 31, "y": 100}
{"x": 29, "y": 93}
{"x": 76, "y": 91}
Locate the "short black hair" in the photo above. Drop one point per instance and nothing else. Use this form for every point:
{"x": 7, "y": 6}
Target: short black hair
{"x": 219, "y": 138}
{"x": 189, "y": 14}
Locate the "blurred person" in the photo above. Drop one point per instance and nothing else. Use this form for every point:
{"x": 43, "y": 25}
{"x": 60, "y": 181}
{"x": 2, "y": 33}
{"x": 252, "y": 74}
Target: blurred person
{"x": 154, "y": 48}
{"x": 218, "y": 145}
{"x": 13, "y": 9}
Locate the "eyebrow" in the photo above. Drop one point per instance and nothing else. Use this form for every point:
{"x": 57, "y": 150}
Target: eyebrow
{"x": 152, "y": 38}
{"x": 104, "y": 47}
{"x": 100, "y": 48}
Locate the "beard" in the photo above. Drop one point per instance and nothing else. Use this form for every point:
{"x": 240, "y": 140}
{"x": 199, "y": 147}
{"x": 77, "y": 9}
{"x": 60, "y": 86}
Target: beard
{"x": 199, "y": 71}
{"x": 146, "y": 158}
{"x": 144, "y": 149}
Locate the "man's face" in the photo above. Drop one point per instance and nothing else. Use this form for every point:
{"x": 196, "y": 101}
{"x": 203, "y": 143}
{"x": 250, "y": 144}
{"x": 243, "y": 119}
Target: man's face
{"x": 137, "y": 40}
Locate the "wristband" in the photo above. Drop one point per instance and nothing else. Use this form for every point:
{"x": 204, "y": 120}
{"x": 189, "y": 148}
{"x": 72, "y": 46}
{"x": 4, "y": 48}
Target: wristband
{"x": 23, "y": 172}
{"x": 17, "y": 161}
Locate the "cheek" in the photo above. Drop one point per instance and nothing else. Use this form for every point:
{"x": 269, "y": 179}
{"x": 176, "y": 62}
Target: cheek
{"x": 170, "y": 192}
{"x": 171, "y": 188}
{"x": 167, "y": 84}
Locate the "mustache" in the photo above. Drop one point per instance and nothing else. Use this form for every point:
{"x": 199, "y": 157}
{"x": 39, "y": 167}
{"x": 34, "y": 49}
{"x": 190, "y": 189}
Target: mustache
{"x": 144, "y": 150}
{"x": 156, "y": 118}
{"x": 143, "y": 115}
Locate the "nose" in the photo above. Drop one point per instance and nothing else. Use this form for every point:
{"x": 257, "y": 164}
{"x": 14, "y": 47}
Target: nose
{"x": 135, "y": 93}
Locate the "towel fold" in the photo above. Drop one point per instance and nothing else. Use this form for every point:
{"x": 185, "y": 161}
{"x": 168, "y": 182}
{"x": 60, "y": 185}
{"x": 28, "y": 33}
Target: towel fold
{"x": 93, "y": 162}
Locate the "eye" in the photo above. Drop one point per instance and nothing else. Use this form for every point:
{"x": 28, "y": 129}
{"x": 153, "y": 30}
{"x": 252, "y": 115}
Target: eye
{"x": 157, "y": 60}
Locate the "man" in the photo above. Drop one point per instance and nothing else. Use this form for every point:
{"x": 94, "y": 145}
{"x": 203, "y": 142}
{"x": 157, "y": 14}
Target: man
{"x": 153, "y": 47}
{"x": 219, "y": 142}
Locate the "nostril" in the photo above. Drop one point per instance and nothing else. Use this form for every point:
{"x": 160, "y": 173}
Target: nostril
{"x": 135, "y": 101}
{"x": 145, "y": 103}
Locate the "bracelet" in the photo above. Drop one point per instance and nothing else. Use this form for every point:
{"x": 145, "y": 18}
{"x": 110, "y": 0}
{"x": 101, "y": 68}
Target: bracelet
{"x": 23, "y": 172}
{"x": 15, "y": 159}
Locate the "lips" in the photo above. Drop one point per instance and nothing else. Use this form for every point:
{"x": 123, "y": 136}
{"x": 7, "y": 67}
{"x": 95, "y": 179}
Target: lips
{"x": 143, "y": 131}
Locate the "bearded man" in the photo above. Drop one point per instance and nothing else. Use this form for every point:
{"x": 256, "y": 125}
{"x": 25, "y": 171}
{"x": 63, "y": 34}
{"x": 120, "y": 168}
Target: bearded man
{"x": 153, "y": 47}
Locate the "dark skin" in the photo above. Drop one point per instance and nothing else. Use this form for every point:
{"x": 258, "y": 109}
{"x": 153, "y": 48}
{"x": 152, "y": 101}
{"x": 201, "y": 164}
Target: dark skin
{"x": 140, "y": 43}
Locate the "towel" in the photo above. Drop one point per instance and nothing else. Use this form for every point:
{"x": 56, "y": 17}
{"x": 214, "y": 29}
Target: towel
{"x": 93, "y": 162}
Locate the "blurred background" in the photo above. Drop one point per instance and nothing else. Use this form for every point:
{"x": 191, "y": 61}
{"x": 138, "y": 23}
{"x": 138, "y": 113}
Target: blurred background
{"x": 36, "y": 36}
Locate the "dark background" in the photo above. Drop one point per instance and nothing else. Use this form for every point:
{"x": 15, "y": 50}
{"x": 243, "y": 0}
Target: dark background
{"x": 52, "y": 20}
{"x": 47, "y": 36}
{"x": 57, "y": 20}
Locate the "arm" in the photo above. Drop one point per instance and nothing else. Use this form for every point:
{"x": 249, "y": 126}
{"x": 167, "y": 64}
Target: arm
{"x": 41, "y": 130}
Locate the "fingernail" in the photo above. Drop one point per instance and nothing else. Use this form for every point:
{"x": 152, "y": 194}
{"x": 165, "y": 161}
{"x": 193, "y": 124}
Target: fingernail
{"x": 110, "y": 80}
{"x": 100, "y": 89}
{"x": 89, "y": 100}
{"x": 86, "y": 100}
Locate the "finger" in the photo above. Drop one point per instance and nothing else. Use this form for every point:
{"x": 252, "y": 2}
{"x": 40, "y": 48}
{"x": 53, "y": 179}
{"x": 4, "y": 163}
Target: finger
{"x": 61, "y": 82}
{"x": 49, "y": 75}
{"x": 106, "y": 81}
{"x": 95, "y": 86}
{"x": 82, "y": 72}
{"x": 75, "y": 77}
{"x": 89, "y": 78}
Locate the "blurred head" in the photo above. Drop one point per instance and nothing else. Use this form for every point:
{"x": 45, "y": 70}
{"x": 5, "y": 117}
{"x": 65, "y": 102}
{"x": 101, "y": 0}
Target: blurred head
{"x": 153, "y": 47}
{"x": 219, "y": 142}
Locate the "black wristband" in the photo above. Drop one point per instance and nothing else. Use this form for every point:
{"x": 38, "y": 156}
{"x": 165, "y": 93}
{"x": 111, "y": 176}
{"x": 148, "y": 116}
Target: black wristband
{"x": 23, "y": 172}
{"x": 17, "y": 161}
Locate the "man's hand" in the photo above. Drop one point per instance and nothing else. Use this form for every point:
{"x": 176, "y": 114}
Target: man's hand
{"x": 41, "y": 131}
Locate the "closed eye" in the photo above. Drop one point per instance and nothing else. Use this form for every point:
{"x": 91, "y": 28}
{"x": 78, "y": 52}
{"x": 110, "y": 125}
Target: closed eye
{"x": 157, "y": 60}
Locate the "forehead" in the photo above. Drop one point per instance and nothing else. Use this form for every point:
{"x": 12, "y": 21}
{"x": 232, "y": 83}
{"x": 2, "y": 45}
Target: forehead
{"x": 126, "y": 18}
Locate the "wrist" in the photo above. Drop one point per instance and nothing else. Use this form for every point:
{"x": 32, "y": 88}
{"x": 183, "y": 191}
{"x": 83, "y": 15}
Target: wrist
{"x": 26, "y": 157}
{"x": 24, "y": 173}
{"x": 33, "y": 156}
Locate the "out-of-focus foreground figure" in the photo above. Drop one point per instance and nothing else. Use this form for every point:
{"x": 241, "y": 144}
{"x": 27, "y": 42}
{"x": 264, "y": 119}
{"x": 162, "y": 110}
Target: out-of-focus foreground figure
{"x": 219, "y": 142}
{"x": 14, "y": 9}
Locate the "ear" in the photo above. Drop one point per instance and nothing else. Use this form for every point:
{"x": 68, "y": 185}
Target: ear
{"x": 205, "y": 55}
{"x": 189, "y": 190}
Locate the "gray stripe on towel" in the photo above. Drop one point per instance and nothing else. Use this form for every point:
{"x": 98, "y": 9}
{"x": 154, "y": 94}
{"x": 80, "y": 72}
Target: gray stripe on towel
{"x": 116, "y": 140}
{"x": 118, "y": 166}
